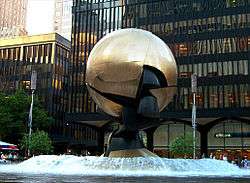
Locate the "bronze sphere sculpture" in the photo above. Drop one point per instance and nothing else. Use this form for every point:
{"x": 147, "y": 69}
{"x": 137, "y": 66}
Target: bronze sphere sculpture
{"x": 115, "y": 67}
{"x": 131, "y": 75}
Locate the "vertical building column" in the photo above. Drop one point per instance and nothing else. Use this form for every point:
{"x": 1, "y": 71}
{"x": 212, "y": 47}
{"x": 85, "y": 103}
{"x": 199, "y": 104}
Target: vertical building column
{"x": 21, "y": 53}
{"x": 150, "y": 138}
{"x": 53, "y": 52}
{"x": 204, "y": 141}
{"x": 100, "y": 140}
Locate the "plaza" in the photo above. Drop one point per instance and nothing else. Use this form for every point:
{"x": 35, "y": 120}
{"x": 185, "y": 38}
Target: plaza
{"x": 210, "y": 39}
{"x": 137, "y": 90}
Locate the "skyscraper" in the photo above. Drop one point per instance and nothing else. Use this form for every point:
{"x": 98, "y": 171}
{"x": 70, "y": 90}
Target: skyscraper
{"x": 13, "y": 18}
{"x": 63, "y": 18}
{"x": 209, "y": 38}
{"x": 48, "y": 55}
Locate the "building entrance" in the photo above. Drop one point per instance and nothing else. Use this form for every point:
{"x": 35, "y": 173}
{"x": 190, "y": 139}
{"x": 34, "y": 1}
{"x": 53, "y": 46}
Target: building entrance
{"x": 229, "y": 138}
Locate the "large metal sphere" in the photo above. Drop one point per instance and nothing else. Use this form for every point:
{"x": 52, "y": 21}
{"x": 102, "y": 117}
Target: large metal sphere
{"x": 115, "y": 66}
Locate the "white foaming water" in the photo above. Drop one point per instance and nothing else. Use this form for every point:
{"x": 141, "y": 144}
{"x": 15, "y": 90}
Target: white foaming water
{"x": 103, "y": 166}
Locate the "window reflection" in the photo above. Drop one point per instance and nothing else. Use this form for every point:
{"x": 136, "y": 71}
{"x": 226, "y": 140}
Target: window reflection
{"x": 212, "y": 46}
{"x": 212, "y": 69}
{"x": 217, "y": 96}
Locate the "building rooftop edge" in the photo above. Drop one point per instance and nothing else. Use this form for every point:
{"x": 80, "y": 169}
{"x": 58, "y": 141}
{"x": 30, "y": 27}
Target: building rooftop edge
{"x": 34, "y": 39}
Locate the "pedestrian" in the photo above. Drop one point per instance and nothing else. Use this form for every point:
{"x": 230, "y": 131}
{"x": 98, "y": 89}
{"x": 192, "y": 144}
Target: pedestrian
{"x": 203, "y": 156}
{"x": 3, "y": 157}
{"x": 10, "y": 156}
{"x": 15, "y": 156}
{"x": 211, "y": 156}
{"x": 245, "y": 163}
{"x": 224, "y": 157}
{"x": 221, "y": 157}
{"x": 239, "y": 161}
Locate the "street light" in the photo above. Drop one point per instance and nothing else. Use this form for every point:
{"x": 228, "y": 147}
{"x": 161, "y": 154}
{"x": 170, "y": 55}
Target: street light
{"x": 194, "y": 91}
{"x": 33, "y": 88}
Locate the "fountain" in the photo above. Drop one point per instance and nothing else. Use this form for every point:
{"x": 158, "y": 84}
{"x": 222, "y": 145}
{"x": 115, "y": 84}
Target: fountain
{"x": 131, "y": 75}
{"x": 136, "y": 166}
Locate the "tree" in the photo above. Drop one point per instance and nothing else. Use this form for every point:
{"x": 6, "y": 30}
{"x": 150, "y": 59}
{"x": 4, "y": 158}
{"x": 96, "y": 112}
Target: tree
{"x": 14, "y": 112}
{"x": 40, "y": 143}
{"x": 182, "y": 146}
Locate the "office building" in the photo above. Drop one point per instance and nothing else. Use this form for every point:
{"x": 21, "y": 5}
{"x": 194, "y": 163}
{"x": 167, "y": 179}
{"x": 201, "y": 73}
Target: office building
{"x": 13, "y": 18}
{"x": 63, "y": 18}
{"x": 209, "y": 38}
{"x": 49, "y": 56}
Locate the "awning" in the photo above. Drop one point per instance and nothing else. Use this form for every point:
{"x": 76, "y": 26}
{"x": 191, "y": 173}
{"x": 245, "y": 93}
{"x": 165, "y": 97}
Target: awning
{"x": 7, "y": 146}
{"x": 94, "y": 119}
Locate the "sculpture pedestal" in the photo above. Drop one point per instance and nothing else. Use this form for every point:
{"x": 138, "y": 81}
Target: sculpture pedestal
{"x": 129, "y": 153}
{"x": 127, "y": 147}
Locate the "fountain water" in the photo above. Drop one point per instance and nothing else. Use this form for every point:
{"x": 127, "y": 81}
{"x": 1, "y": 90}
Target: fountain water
{"x": 139, "y": 166}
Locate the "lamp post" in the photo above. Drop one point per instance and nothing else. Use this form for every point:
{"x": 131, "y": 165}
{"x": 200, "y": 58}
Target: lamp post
{"x": 33, "y": 88}
{"x": 194, "y": 91}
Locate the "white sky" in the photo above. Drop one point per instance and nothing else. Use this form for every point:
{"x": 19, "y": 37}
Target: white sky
{"x": 40, "y": 15}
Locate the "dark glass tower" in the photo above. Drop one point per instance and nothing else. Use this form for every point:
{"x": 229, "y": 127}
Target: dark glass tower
{"x": 49, "y": 56}
{"x": 209, "y": 38}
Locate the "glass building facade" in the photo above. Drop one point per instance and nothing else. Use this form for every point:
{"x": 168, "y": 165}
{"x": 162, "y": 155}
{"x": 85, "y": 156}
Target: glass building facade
{"x": 63, "y": 18}
{"x": 49, "y": 56}
{"x": 209, "y": 38}
{"x": 13, "y": 18}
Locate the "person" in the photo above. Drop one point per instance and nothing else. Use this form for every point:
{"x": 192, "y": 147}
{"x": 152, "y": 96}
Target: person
{"x": 224, "y": 157}
{"x": 203, "y": 156}
{"x": 15, "y": 156}
{"x": 236, "y": 161}
{"x": 221, "y": 157}
{"x": 3, "y": 157}
{"x": 244, "y": 163}
{"x": 10, "y": 156}
{"x": 239, "y": 161}
{"x": 211, "y": 156}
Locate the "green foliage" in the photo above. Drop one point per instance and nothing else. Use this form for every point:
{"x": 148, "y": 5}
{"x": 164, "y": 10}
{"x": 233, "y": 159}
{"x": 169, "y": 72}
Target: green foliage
{"x": 14, "y": 112}
{"x": 40, "y": 143}
{"x": 232, "y": 3}
{"x": 182, "y": 146}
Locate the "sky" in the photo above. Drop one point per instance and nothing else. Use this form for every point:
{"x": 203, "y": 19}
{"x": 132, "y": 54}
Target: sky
{"x": 40, "y": 15}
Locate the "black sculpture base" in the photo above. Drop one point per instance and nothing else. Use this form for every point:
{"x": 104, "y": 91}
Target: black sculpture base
{"x": 125, "y": 141}
{"x": 127, "y": 146}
